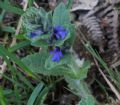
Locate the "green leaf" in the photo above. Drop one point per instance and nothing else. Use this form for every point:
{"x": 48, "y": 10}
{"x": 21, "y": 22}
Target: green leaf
{"x": 40, "y": 40}
{"x": 6, "y": 6}
{"x": 25, "y": 80}
{"x": 5, "y": 52}
{"x": 89, "y": 100}
{"x": 43, "y": 15}
{"x": 43, "y": 94}
{"x": 69, "y": 4}
{"x": 19, "y": 45}
{"x": 79, "y": 72}
{"x": 40, "y": 37}
{"x": 40, "y": 43}
{"x": 49, "y": 18}
{"x": 8, "y": 29}
{"x": 42, "y": 63}
{"x": 30, "y": 2}
{"x": 61, "y": 15}
{"x": 36, "y": 63}
{"x": 35, "y": 18}
{"x": 2, "y": 16}
{"x": 69, "y": 61}
{"x": 2, "y": 97}
{"x": 77, "y": 86}
{"x": 21, "y": 36}
{"x": 34, "y": 94}
{"x": 82, "y": 74}
{"x": 31, "y": 19}
{"x": 71, "y": 39}
{"x": 49, "y": 64}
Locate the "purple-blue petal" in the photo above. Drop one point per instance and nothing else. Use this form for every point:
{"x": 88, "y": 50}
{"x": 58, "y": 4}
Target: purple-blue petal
{"x": 32, "y": 35}
{"x": 55, "y": 58}
{"x": 60, "y": 54}
{"x": 35, "y": 33}
{"x": 58, "y": 36}
{"x": 60, "y": 32}
{"x": 59, "y": 28}
{"x": 56, "y": 54}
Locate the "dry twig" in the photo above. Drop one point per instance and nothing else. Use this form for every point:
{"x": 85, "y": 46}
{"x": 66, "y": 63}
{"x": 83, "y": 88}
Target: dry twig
{"x": 19, "y": 25}
{"x": 108, "y": 82}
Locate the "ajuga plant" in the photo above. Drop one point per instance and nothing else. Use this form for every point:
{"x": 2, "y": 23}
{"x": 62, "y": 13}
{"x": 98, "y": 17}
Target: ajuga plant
{"x": 54, "y": 33}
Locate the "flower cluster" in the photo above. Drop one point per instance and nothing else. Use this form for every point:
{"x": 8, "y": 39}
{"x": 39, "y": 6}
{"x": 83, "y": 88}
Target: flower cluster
{"x": 59, "y": 33}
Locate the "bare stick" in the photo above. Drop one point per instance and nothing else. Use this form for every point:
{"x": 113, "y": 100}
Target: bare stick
{"x": 2, "y": 69}
{"x": 19, "y": 24}
{"x": 108, "y": 82}
{"x": 36, "y": 5}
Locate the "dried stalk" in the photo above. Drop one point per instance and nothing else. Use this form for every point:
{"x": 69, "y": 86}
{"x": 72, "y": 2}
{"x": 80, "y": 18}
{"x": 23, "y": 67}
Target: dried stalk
{"x": 19, "y": 25}
{"x": 108, "y": 82}
{"x": 2, "y": 69}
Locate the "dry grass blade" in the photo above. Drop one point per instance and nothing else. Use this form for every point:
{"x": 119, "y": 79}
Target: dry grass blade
{"x": 36, "y": 5}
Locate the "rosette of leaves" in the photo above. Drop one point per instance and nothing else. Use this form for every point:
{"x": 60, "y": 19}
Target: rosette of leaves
{"x": 37, "y": 21}
{"x": 45, "y": 22}
{"x": 35, "y": 18}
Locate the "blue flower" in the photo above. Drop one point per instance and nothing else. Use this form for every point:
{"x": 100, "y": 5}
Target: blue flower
{"x": 35, "y": 33}
{"x": 56, "y": 54}
{"x": 60, "y": 32}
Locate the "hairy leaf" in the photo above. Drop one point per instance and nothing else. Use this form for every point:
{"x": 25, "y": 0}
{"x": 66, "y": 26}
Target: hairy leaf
{"x": 61, "y": 15}
{"x": 49, "y": 64}
{"x": 36, "y": 63}
{"x": 89, "y": 100}
{"x": 35, "y": 18}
